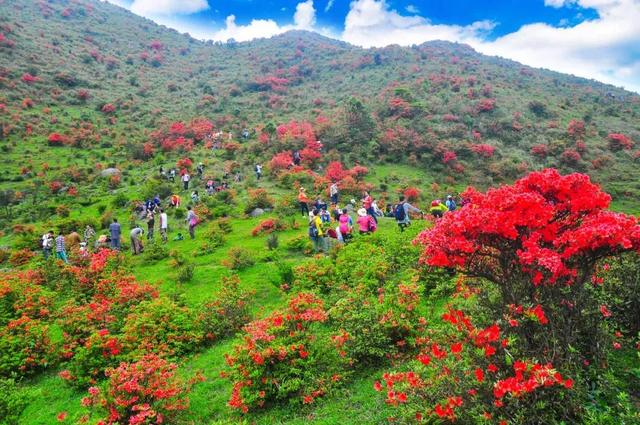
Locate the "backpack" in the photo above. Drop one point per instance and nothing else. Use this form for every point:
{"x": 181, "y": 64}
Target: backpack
{"x": 399, "y": 212}
{"x": 313, "y": 230}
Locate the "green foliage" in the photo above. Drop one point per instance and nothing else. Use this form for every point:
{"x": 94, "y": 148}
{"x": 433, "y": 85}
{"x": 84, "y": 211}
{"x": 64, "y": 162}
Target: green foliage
{"x": 13, "y": 401}
{"x": 227, "y": 313}
{"x": 155, "y": 250}
{"x": 239, "y": 258}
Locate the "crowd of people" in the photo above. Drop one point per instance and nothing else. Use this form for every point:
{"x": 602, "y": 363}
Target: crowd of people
{"x": 323, "y": 217}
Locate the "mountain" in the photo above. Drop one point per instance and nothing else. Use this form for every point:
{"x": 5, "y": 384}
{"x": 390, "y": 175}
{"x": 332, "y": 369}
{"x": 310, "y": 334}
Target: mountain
{"x": 107, "y": 79}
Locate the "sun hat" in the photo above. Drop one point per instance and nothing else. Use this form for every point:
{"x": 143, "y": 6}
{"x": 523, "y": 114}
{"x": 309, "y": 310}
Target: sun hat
{"x": 449, "y": 196}
{"x": 362, "y": 212}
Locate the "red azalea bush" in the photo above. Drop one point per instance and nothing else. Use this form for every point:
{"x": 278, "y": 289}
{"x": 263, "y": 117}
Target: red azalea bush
{"x": 484, "y": 150}
{"x": 108, "y": 108}
{"x": 282, "y": 359}
{"x": 466, "y": 373}
{"x": 576, "y": 129}
{"x": 56, "y": 139}
{"x": 549, "y": 233}
{"x": 411, "y": 194}
{"x": 486, "y": 105}
{"x": 147, "y": 391}
{"x": 185, "y": 163}
{"x": 268, "y": 226}
{"x": 540, "y": 150}
{"x": 280, "y": 162}
{"x": 570, "y": 157}
{"x": 618, "y": 141}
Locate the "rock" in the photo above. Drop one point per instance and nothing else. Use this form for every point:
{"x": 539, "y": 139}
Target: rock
{"x": 257, "y": 212}
{"x": 107, "y": 172}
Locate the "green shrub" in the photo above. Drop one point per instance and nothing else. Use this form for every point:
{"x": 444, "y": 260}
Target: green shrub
{"x": 13, "y": 401}
{"x": 300, "y": 243}
{"x": 155, "y": 250}
{"x": 238, "y": 258}
{"x": 272, "y": 242}
{"x": 227, "y": 313}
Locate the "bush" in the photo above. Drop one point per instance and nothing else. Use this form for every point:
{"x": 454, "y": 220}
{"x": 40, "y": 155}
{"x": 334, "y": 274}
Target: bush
{"x": 238, "y": 258}
{"x": 155, "y": 250}
{"x": 162, "y": 327}
{"x": 267, "y": 226}
{"x": 272, "y": 242}
{"x": 285, "y": 358}
{"x": 300, "y": 243}
{"x": 120, "y": 200}
{"x": 13, "y": 401}
{"x": 258, "y": 198}
{"x": 227, "y": 313}
{"x": 138, "y": 392}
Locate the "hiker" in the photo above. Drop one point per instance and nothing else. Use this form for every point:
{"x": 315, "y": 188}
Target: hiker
{"x": 325, "y": 217}
{"x": 195, "y": 198}
{"x": 47, "y": 244}
{"x": 136, "y": 243}
{"x": 366, "y": 223}
{"x": 192, "y": 222}
{"x": 367, "y": 203}
{"x": 319, "y": 204}
{"x": 148, "y": 205}
{"x": 61, "y": 253}
{"x": 333, "y": 192}
{"x": 401, "y": 213}
{"x": 156, "y": 201}
{"x": 185, "y": 180}
{"x": 200, "y": 169}
{"x": 151, "y": 221}
{"x": 304, "y": 202}
{"x": 450, "y": 203}
{"x": 209, "y": 187}
{"x": 245, "y": 134}
{"x": 114, "y": 229}
{"x": 296, "y": 158}
{"x": 258, "y": 170}
{"x": 345, "y": 225}
{"x": 377, "y": 212}
{"x": 164, "y": 224}
{"x": 172, "y": 175}
{"x": 89, "y": 235}
{"x": 438, "y": 209}
{"x": 175, "y": 201}
{"x": 315, "y": 232}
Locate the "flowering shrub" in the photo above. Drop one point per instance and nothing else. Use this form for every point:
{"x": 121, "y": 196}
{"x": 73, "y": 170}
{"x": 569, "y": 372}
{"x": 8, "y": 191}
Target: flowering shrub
{"x": 549, "y": 232}
{"x": 144, "y": 392}
{"x": 56, "y": 139}
{"x": 268, "y": 226}
{"x": 108, "y": 108}
{"x": 486, "y": 105}
{"x": 576, "y": 129}
{"x": 570, "y": 157}
{"x": 411, "y": 194}
{"x": 540, "y": 150}
{"x": 258, "y": 198}
{"x": 238, "y": 258}
{"x": 449, "y": 157}
{"x": 619, "y": 141}
{"x": 461, "y": 374}
{"x": 184, "y": 163}
{"x": 281, "y": 359}
{"x": 280, "y": 161}
{"x": 484, "y": 150}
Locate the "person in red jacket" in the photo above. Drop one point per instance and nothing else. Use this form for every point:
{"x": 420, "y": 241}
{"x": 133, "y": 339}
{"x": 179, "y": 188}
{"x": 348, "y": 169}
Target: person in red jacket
{"x": 304, "y": 202}
{"x": 367, "y": 204}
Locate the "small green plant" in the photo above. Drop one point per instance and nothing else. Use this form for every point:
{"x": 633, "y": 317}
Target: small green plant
{"x": 155, "y": 250}
{"x": 13, "y": 400}
{"x": 272, "y": 242}
{"x": 238, "y": 258}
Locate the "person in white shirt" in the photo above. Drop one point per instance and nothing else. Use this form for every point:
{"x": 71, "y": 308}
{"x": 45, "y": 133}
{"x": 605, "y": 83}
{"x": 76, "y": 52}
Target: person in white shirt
{"x": 164, "y": 224}
{"x": 185, "y": 180}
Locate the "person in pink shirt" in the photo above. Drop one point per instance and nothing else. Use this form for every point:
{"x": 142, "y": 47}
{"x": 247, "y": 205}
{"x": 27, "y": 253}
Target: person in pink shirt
{"x": 367, "y": 203}
{"x": 366, "y": 223}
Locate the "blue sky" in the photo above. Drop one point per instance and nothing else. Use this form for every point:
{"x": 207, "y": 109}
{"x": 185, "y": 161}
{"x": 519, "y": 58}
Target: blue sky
{"x": 597, "y": 39}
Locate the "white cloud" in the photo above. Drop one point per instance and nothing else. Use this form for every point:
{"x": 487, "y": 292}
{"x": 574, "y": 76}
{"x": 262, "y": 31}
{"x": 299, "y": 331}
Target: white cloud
{"x": 328, "y": 6}
{"x": 412, "y": 9}
{"x": 303, "y": 19}
{"x": 305, "y": 16}
{"x": 557, "y": 3}
{"x": 168, "y": 7}
{"x": 371, "y": 23}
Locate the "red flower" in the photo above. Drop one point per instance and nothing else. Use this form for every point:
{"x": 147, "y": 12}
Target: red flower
{"x": 479, "y": 375}
{"x": 377, "y": 386}
{"x": 605, "y": 311}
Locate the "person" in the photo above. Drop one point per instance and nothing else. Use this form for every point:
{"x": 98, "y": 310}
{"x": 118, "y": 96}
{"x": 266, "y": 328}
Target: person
{"x": 333, "y": 192}
{"x": 258, "y": 171}
{"x": 148, "y": 205}
{"x": 89, "y": 235}
{"x": 192, "y": 222}
{"x": 172, "y": 175}
{"x": 367, "y": 203}
{"x": 164, "y": 224}
{"x": 366, "y": 223}
{"x": 437, "y": 209}
{"x": 61, "y": 252}
{"x": 209, "y": 187}
{"x": 304, "y": 202}
{"x": 156, "y": 201}
{"x": 101, "y": 242}
{"x": 195, "y": 197}
{"x": 345, "y": 225}
{"x": 175, "y": 201}
{"x": 325, "y": 217}
{"x": 200, "y": 169}
{"x": 136, "y": 243}
{"x": 151, "y": 221}
{"x": 114, "y": 229}
{"x": 320, "y": 204}
{"x": 450, "y": 203}
{"x": 401, "y": 212}
{"x": 47, "y": 244}
{"x": 185, "y": 180}
{"x": 296, "y": 158}
{"x": 377, "y": 212}
{"x": 245, "y": 134}
{"x": 178, "y": 237}
{"x": 316, "y": 232}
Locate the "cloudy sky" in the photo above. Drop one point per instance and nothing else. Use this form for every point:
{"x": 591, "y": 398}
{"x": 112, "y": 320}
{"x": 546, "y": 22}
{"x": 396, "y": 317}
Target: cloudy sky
{"x": 597, "y": 39}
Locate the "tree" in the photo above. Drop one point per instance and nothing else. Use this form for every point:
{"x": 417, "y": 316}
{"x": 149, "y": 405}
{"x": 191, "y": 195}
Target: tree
{"x": 539, "y": 242}
{"x": 358, "y": 122}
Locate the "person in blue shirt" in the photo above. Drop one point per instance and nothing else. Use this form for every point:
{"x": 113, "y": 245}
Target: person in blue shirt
{"x": 451, "y": 203}
{"x": 114, "y": 229}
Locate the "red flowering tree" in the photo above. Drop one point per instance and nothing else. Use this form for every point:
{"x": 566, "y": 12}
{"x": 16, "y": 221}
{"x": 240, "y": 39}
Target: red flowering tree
{"x": 538, "y": 241}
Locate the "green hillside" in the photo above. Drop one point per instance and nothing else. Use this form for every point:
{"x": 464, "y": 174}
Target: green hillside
{"x": 95, "y": 101}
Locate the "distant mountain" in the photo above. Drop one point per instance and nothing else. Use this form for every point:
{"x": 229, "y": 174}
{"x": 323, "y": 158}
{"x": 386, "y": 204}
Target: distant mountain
{"x": 438, "y": 105}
